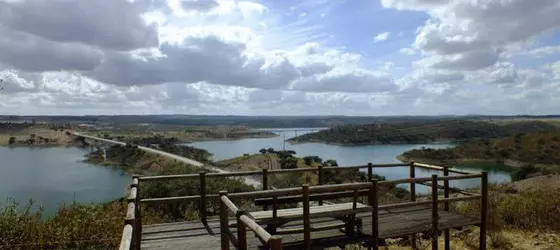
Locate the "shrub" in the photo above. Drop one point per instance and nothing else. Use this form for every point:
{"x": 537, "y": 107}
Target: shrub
{"x": 523, "y": 172}
{"x": 526, "y": 210}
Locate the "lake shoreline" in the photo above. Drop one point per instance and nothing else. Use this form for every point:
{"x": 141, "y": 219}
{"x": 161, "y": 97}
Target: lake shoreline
{"x": 291, "y": 142}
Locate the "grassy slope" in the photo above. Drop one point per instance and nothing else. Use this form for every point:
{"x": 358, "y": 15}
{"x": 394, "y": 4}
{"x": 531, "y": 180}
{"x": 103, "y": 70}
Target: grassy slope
{"x": 535, "y": 148}
{"x": 422, "y": 132}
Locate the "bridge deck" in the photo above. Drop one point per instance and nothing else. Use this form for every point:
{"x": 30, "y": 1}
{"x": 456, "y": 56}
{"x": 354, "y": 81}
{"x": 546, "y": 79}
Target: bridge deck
{"x": 392, "y": 223}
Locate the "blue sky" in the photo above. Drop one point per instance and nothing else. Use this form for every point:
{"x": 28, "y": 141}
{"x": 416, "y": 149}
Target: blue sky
{"x": 280, "y": 57}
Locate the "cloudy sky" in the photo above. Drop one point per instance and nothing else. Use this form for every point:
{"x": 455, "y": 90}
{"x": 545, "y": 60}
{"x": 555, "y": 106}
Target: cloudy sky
{"x": 280, "y": 57}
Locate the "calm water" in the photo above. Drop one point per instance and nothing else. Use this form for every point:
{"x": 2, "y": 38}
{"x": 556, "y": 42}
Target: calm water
{"x": 53, "y": 176}
{"x": 345, "y": 155}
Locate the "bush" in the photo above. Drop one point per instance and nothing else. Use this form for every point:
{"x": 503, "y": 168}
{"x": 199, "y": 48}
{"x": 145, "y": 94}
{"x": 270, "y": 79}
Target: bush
{"x": 262, "y": 151}
{"x": 526, "y": 210}
{"x": 75, "y": 226}
{"x": 523, "y": 172}
{"x": 12, "y": 140}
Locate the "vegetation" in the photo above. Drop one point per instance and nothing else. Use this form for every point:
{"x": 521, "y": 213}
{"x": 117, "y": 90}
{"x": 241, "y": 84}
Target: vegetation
{"x": 533, "y": 148}
{"x": 422, "y": 132}
{"x": 528, "y": 210}
{"x": 170, "y": 145}
{"x": 75, "y": 226}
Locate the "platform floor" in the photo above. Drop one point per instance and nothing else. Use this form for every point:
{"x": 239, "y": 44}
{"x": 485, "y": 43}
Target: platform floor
{"x": 392, "y": 223}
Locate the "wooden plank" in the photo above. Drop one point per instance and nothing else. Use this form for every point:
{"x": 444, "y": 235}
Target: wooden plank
{"x": 313, "y": 197}
{"x": 315, "y": 211}
{"x": 392, "y": 223}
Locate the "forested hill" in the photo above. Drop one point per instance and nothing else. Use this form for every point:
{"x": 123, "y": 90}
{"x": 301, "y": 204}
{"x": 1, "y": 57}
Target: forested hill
{"x": 534, "y": 148}
{"x": 422, "y": 132}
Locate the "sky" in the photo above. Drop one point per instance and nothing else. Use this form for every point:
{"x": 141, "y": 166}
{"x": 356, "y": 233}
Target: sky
{"x": 280, "y": 57}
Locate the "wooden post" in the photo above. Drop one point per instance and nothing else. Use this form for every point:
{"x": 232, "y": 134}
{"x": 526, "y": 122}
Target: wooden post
{"x": 321, "y": 180}
{"x": 275, "y": 242}
{"x": 241, "y": 231}
{"x": 137, "y": 213}
{"x": 272, "y": 227}
{"x": 412, "y": 172}
{"x": 224, "y": 222}
{"x": 483, "y": 210}
{"x": 447, "y": 234}
{"x": 370, "y": 171}
{"x": 265, "y": 183}
{"x": 202, "y": 207}
{"x": 306, "y": 218}
{"x": 435, "y": 229}
{"x": 372, "y": 200}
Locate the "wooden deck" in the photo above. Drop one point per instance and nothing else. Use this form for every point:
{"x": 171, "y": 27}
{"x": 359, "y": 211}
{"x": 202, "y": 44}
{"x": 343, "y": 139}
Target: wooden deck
{"x": 392, "y": 223}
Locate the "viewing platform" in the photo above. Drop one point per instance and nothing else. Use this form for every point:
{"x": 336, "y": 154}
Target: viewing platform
{"x": 309, "y": 217}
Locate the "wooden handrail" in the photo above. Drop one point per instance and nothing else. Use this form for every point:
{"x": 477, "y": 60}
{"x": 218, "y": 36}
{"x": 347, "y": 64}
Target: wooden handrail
{"x": 258, "y": 230}
{"x": 274, "y": 171}
{"x": 229, "y": 204}
{"x": 126, "y": 240}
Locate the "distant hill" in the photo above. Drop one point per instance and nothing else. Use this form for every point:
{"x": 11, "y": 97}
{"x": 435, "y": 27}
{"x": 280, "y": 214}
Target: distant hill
{"x": 252, "y": 121}
{"x": 533, "y": 148}
{"x": 426, "y": 131}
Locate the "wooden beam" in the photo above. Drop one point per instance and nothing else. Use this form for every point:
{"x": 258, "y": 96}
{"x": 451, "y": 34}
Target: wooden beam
{"x": 446, "y": 232}
{"x": 483, "y": 210}
{"x": 321, "y": 180}
{"x": 126, "y": 239}
{"x": 312, "y": 197}
{"x": 241, "y": 231}
{"x": 306, "y": 218}
{"x": 412, "y": 175}
{"x": 434, "y": 200}
{"x": 202, "y": 191}
{"x": 224, "y": 221}
{"x": 258, "y": 230}
{"x": 275, "y": 243}
{"x": 167, "y": 177}
{"x": 372, "y": 200}
{"x": 229, "y": 205}
{"x": 370, "y": 171}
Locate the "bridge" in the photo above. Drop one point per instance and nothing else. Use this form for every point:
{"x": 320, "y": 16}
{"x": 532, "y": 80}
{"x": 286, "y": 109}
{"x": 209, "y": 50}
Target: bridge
{"x": 356, "y": 215}
{"x": 202, "y": 166}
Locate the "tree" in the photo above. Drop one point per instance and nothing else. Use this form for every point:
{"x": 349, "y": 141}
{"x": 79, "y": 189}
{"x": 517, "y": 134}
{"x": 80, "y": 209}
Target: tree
{"x": 271, "y": 150}
{"x": 12, "y": 140}
{"x": 308, "y": 160}
{"x": 331, "y": 163}
{"x": 262, "y": 151}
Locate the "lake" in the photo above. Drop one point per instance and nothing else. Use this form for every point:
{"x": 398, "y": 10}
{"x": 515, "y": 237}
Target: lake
{"x": 346, "y": 155}
{"x": 55, "y": 175}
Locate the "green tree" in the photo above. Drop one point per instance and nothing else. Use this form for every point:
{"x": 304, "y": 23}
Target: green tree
{"x": 12, "y": 140}
{"x": 271, "y": 150}
{"x": 331, "y": 163}
{"x": 262, "y": 151}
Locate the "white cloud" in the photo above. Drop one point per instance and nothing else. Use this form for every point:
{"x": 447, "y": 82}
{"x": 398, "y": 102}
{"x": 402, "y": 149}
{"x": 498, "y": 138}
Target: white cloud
{"x": 472, "y": 35}
{"x": 408, "y": 51}
{"x": 244, "y": 57}
{"x": 381, "y": 37}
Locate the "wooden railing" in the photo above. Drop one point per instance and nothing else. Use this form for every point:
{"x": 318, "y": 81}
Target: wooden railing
{"x": 132, "y": 231}
{"x": 244, "y": 220}
{"x": 133, "y": 223}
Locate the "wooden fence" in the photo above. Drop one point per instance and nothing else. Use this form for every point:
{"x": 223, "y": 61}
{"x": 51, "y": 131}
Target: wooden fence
{"x": 133, "y": 223}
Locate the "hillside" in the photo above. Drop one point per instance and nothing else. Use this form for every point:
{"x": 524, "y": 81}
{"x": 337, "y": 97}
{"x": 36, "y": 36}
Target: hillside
{"x": 422, "y": 132}
{"x": 533, "y": 148}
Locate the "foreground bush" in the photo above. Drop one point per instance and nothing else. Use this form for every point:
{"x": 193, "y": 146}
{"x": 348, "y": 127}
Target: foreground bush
{"x": 526, "y": 210}
{"x": 74, "y": 226}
